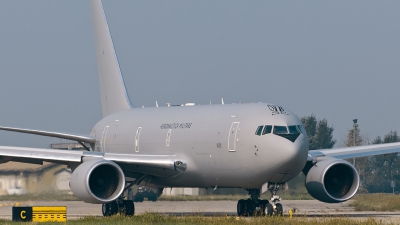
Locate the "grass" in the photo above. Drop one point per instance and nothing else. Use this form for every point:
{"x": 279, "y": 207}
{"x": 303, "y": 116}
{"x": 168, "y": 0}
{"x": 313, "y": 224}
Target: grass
{"x": 153, "y": 218}
{"x": 376, "y": 202}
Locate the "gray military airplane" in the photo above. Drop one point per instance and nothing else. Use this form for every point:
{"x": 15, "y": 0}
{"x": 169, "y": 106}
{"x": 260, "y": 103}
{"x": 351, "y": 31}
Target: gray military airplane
{"x": 258, "y": 147}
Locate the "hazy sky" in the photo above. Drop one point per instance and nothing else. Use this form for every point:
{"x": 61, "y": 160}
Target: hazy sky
{"x": 337, "y": 59}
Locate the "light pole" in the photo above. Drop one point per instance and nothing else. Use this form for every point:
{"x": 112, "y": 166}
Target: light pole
{"x": 354, "y": 138}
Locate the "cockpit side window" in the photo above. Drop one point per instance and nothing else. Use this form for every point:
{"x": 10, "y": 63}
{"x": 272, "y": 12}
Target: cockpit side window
{"x": 293, "y": 130}
{"x": 280, "y": 130}
{"x": 302, "y": 129}
{"x": 267, "y": 129}
{"x": 259, "y": 130}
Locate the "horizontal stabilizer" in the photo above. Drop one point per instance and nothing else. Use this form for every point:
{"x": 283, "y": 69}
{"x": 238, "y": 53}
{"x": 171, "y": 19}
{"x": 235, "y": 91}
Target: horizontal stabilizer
{"x": 74, "y": 137}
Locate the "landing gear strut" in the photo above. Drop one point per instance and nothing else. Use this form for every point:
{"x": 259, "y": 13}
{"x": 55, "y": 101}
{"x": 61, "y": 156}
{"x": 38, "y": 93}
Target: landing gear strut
{"x": 125, "y": 207}
{"x": 256, "y": 206}
{"x": 275, "y": 199}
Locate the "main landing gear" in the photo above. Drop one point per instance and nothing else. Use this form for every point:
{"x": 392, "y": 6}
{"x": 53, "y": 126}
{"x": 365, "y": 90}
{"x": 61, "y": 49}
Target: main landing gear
{"x": 125, "y": 207}
{"x": 254, "y": 206}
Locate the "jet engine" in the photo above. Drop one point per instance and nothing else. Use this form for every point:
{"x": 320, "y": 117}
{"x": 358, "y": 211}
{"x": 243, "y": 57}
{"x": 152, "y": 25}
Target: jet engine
{"x": 97, "y": 181}
{"x": 332, "y": 180}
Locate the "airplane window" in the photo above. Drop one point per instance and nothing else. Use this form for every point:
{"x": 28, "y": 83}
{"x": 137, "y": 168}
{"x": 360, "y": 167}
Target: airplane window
{"x": 259, "y": 130}
{"x": 293, "y": 130}
{"x": 267, "y": 129}
{"x": 299, "y": 129}
{"x": 302, "y": 129}
{"x": 280, "y": 130}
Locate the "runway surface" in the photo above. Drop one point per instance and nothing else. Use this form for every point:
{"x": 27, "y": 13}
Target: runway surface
{"x": 308, "y": 208}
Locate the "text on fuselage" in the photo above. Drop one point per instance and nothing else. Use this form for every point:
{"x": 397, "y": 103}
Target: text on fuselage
{"x": 175, "y": 125}
{"x": 276, "y": 109}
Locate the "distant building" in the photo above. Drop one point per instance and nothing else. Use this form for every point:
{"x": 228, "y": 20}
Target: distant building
{"x": 23, "y": 178}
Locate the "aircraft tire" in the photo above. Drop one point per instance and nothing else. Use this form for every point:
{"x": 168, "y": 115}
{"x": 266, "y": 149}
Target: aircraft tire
{"x": 129, "y": 208}
{"x": 105, "y": 209}
{"x": 263, "y": 203}
{"x": 109, "y": 209}
{"x": 268, "y": 209}
{"x": 279, "y": 209}
{"x": 250, "y": 207}
{"x": 241, "y": 207}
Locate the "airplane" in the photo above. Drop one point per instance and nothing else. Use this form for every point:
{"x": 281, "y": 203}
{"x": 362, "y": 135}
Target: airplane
{"x": 255, "y": 146}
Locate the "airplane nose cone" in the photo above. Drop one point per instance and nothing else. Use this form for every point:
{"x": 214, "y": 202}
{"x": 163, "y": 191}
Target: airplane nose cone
{"x": 283, "y": 159}
{"x": 294, "y": 155}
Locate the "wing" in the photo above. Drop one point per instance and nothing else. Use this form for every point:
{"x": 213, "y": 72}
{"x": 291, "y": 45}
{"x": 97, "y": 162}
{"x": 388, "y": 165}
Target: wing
{"x": 74, "y": 137}
{"x": 133, "y": 165}
{"x": 355, "y": 152}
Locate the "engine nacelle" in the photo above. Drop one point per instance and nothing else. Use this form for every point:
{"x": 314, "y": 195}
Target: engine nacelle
{"x": 332, "y": 180}
{"x": 97, "y": 181}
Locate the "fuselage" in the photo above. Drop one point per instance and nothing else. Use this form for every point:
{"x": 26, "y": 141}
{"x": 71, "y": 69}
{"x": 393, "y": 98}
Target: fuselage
{"x": 221, "y": 143}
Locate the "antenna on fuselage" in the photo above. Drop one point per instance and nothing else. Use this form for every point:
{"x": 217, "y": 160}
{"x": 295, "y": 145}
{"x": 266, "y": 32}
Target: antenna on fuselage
{"x": 222, "y": 99}
{"x": 156, "y": 104}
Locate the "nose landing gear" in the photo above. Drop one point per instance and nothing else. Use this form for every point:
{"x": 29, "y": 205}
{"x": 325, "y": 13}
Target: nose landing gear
{"x": 254, "y": 206}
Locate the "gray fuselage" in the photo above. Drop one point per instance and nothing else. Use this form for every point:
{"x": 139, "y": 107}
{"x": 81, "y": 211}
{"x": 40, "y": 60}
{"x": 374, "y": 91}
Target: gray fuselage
{"x": 219, "y": 143}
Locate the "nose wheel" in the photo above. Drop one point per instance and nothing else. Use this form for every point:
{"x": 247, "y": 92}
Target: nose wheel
{"x": 268, "y": 209}
{"x": 279, "y": 209}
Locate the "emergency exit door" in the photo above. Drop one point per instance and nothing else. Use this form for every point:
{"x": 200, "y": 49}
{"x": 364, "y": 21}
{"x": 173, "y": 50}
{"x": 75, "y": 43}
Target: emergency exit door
{"x": 233, "y": 136}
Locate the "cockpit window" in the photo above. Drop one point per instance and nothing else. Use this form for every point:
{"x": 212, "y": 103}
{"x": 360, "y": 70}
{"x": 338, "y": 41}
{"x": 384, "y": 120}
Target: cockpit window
{"x": 302, "y": 129}
{"x": 280, "y": 130}
{"x": 267, "y": 129}
{"x": 259, "y": 130}
{"x": 293, "y": 130}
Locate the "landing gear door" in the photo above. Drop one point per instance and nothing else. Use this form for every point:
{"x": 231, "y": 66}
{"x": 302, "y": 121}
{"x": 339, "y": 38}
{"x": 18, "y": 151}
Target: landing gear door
{"x": 232, "y": 139}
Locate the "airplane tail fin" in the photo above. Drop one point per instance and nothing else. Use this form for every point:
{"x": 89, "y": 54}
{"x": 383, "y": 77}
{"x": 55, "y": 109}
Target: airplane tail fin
{"x": 114, "y": 97}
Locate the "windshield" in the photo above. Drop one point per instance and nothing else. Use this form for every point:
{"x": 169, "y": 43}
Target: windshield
{"x": 267, "y": 129}
{"x": 293, "y": 130}
{"x": 280, "y": 130}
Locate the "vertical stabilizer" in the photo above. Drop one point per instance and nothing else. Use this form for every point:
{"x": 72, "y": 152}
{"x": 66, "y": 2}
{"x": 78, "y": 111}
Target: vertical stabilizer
{"x": 114, "y": 97}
